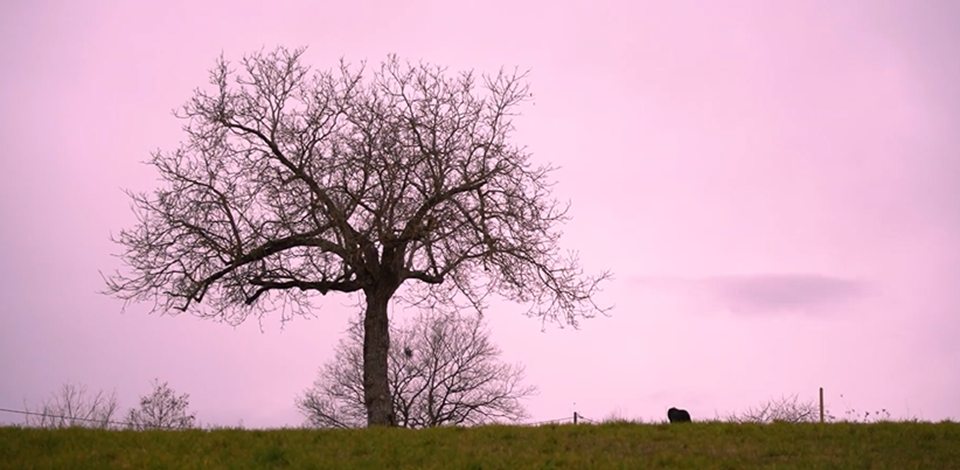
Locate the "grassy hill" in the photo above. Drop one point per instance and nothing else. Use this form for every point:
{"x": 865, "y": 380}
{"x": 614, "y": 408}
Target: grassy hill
{"x": 890, "y": 445}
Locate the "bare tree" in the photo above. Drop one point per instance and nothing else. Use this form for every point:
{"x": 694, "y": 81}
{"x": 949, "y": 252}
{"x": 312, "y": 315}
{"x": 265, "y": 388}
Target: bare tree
{"x": 72, "y": 406}
{"x": 443, "y": 370}
{"x": 162, "y": 409}
{"x": 786, "y": 409}
{"x": 292, "y": 183}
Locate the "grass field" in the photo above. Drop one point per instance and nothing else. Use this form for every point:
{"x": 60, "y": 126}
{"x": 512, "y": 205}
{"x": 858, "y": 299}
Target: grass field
{"x": 892, "y": 445}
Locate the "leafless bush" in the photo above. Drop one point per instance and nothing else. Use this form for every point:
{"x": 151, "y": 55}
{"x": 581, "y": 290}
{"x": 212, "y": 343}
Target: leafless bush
{"x": 785, "y": 409}
{"x": 72, "y": 406}
{"x": 162, "y": 409}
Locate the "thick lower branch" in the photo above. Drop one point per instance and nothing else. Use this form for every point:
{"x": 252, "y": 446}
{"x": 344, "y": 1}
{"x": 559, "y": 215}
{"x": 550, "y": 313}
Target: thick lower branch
{"x": 263, "y": 251}
{"x": 423, "y": 276}
{"x": 320, "y": 286}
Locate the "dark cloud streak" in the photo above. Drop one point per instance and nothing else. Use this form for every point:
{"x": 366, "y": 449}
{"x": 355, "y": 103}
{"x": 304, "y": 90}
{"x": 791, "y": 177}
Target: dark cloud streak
{"x": 773, "y": 293}
{"x": 764, "y": 293}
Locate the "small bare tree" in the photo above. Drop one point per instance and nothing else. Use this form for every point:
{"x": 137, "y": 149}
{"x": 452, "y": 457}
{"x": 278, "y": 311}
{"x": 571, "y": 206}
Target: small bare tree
{"x": 785, "y": 409}
{"x": 444, "y": 370}
{"x": 162, "y": 409}
{"x": 292, "y": 183}
{"x": 72, "y": 406}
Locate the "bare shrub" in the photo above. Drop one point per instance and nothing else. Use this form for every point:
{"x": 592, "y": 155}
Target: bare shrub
{"x": 73, "y": 406}
{"x": 162, "y": 409}
{"x": 784, "y": 409}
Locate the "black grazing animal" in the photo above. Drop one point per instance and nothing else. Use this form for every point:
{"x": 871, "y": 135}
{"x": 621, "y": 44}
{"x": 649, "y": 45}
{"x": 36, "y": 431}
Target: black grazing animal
{"x": 678, "y": 416}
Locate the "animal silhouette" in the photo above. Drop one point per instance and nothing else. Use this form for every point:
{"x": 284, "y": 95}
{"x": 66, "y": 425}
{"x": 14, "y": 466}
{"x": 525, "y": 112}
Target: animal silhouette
{"x": 678, "y": 416}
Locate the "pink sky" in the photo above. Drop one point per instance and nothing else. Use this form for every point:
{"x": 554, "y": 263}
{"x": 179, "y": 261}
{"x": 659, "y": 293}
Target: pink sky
{"x": 775, "y": 184}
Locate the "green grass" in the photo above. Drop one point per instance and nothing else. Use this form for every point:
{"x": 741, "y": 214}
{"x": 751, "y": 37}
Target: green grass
{"x": 893, "y": 445}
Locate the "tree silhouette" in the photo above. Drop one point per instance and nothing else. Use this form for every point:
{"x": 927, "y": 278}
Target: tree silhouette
{"x": 292, "y": 183}
{"x": 443, "y": 370}
{"x": 162, "y": 409}
{"x": 72, "y": 406}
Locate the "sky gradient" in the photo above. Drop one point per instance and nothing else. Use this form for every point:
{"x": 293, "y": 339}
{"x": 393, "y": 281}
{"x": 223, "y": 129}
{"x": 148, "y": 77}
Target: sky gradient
{"x": 775, "y": 185}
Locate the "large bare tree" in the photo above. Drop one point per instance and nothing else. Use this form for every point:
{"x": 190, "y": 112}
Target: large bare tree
{"x": 443, "y": 370}
{"x": 293, "y": 182}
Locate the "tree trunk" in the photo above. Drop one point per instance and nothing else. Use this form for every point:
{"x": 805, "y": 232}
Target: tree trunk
{"x": 376, "y": 347}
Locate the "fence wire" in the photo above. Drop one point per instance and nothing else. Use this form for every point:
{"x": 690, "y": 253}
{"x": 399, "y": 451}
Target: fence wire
{"x": 575, "y": 419}
{"x": 71, "y": 419}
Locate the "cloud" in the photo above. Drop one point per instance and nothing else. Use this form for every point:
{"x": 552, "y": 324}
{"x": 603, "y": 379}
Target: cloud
{"x": 763, "y": 293}
{"x": 770, "y": 293}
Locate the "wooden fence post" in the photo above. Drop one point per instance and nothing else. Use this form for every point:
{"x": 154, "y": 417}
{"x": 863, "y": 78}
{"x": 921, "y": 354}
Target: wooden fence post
{"x": 821, "y": 404}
